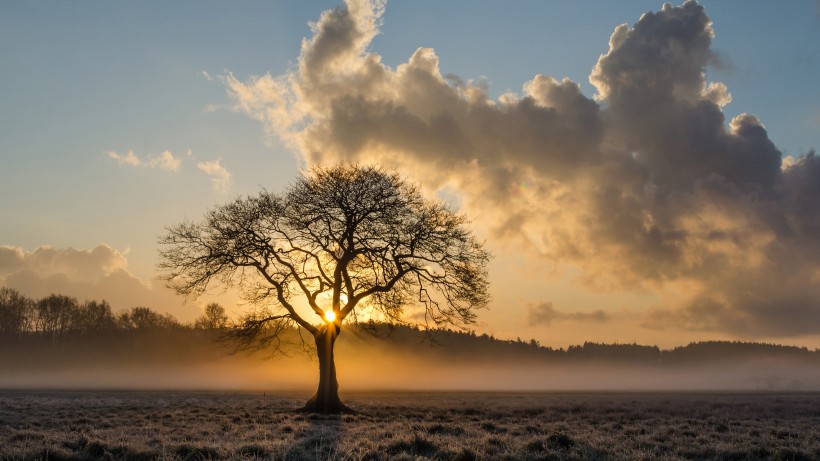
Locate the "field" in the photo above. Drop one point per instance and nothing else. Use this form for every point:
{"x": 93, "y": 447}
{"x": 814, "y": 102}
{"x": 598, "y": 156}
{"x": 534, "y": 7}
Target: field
{"x": 446, "y": 426}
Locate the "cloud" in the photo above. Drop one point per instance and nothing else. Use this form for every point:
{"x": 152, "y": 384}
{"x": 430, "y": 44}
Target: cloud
{"x": 545, "y": 313}
{"x": 80, "y": 265}
{"x": 163, "y": 161}
{"x": 128, "y": 159}
{"x": 97, "y": 273}
{"x": 220, "y": 177}
{"x": 642, "y": 186}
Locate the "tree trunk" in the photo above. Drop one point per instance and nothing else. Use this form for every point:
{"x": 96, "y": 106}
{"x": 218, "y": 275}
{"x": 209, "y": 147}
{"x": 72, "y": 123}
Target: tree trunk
{"x": 326, "y": 399}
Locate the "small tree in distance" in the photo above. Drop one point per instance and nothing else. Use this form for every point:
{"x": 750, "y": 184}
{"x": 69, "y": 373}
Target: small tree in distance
{"x": 214, "y": 318}
{"x": 337, "y": 239}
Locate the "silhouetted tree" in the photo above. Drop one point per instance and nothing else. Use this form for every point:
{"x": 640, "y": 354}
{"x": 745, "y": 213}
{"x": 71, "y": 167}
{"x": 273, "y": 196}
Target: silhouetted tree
{"x": 338, "y": 239}
{"x": 54, "y": 315}
{"x": 16, "y": 313}
{"x": 214, "y": 318}
{"x": 143, "y": 318}
{"x": 93, "y": 317}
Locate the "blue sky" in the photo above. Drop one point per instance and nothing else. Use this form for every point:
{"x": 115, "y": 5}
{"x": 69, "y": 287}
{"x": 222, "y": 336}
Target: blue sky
{"x": 83, "y": 79}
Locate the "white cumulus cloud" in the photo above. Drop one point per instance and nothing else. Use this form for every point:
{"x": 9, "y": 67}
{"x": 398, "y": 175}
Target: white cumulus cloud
{"x": 125, "y": 159}
{"x": 643, "y": 185}
{"x": 86, "y": 274}
{"x": 163, "y": 161}
{"x": 220, "y": 176}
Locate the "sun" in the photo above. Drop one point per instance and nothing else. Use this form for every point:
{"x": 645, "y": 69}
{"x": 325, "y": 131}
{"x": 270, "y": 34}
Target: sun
{"x": 330, "y": 316}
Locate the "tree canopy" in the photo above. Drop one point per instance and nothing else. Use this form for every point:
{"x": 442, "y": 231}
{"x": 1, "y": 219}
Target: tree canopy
{"x": 341, "y": 235}
{"x": 337, "y": 240}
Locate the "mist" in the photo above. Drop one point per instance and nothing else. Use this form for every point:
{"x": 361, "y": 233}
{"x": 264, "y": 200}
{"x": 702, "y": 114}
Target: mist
{"x": 401, "y": 362}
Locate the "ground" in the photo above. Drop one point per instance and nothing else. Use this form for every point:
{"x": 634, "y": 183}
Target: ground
{"x": 447, "y": 426}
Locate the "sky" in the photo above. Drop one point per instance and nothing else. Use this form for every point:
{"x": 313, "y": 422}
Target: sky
{"x": 642, "y": 173}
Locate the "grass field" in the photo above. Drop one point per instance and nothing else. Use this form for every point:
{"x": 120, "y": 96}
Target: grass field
{"x": 446, "y": 426}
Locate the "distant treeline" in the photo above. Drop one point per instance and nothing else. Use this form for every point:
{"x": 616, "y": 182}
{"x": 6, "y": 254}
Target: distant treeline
{"x": 58, "y": 316}
{"x": 469, "y": 344}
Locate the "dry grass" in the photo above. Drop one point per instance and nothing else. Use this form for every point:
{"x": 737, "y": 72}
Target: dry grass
{"x": 446, "y": 426}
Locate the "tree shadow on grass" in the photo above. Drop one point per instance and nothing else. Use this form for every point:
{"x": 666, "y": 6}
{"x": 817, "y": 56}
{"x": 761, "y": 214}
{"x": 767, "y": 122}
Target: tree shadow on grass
{"x": 320, "y": 440}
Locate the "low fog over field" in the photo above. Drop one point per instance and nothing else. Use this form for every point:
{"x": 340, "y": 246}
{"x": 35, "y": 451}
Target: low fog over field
{"x": 399, "y": 359}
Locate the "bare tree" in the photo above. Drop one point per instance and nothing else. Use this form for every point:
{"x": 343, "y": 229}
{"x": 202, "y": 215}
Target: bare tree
{"x": 93, "y": 317}
{"x": 16, "y": 313}
{"x": 214, "y": 318}
{"x": 339, "y": 240}
{"x": 54, "y": 315}
{"x": 145, "y": 319}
